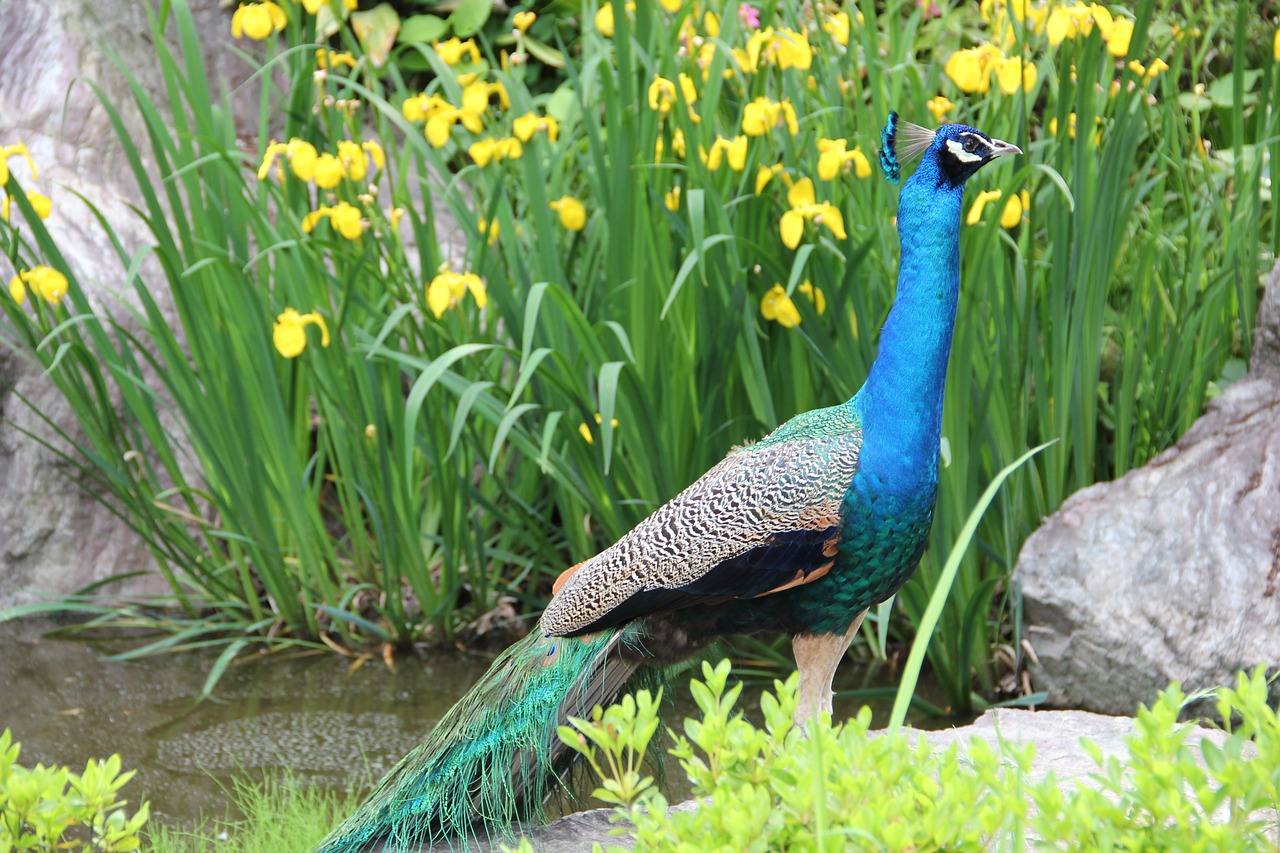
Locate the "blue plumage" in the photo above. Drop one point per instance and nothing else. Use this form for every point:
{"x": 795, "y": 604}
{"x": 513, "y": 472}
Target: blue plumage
{"x": 800, "y": 532}
{"x": 888, "y": 150}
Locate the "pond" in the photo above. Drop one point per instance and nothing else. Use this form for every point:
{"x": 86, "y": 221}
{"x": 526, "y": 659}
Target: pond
{"x": 330, "y": 725}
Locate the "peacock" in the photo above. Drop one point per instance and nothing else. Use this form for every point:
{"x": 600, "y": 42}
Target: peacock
{"x": 800, "y": 532}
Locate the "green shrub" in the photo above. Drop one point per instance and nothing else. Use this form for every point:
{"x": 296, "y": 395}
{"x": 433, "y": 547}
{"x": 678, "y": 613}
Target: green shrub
{"x": 44, "y": 809}
{"x": 839, "y": 787}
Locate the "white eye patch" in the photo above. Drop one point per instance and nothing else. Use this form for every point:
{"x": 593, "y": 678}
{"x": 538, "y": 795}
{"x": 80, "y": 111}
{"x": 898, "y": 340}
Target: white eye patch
{"x": 957, "y": 149}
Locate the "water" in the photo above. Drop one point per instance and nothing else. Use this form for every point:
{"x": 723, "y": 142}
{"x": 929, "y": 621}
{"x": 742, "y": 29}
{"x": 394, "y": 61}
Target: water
{"x": 329, "y": 725}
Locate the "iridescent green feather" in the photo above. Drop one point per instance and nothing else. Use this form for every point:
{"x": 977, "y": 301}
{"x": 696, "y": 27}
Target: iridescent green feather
{"x": 494, "y": 759}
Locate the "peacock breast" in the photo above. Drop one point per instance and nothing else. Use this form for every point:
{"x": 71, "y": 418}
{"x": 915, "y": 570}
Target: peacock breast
{"x": 883, "y": 535}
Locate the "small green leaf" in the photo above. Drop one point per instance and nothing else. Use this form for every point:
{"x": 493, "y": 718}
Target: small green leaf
{"x": 544, "y": 53}
{"x": 563, "y": 105}
{"x": 376, "y": 29}
{"x": 470, "y": 16}
{"x": 423, "y": 29}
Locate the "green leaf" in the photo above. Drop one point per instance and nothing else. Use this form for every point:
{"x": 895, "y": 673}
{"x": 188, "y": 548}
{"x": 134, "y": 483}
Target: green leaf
{"x": 544, "y": 53}
{"x": 376, "y": 30}
{"x": 470, "y": 16}
{"x": 1222, "y": 91}
{"x": 423, "y": 29}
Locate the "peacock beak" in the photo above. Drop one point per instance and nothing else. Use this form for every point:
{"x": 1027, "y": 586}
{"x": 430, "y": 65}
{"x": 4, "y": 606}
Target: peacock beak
{"x": 999, "y": 148}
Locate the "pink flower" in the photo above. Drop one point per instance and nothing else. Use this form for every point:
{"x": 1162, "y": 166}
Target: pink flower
{"x": 930, "y": 8}
{"x": 749, "y": 15}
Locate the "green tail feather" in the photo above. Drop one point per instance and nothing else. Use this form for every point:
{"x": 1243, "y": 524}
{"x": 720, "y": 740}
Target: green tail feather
{"x": 495, "y": 757}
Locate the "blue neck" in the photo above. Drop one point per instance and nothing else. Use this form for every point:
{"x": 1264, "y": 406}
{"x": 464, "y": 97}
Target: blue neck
{"x": 901, "y": 403}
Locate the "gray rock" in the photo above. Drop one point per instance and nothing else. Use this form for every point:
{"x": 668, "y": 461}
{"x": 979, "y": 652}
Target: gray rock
{"x": 56, "y": 538}
{"x": 1170, "y": 572}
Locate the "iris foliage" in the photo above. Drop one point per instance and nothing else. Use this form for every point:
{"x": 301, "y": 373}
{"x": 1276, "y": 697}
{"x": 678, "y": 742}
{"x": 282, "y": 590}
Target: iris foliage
{"x": 459, "y": 315}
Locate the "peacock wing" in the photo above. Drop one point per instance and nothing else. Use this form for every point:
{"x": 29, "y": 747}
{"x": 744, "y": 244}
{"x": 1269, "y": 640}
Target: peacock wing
{"x": 766, "y": 518}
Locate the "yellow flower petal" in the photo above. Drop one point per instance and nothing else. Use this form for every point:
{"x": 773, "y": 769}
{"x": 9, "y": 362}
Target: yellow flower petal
{"x": 816, "y": 296}
{"x": 737, "y": 153}
{"x": 801, "y": 193}
{"x": 439, "y": 296}
{"x": 975, "y": 212}
{"x": 302, "y": 158}
{"x": 257, "y": 20}
{"x": 939, "y": 107}
{"x": 604, "y": 20}
{"x": 791, "y": 228}
{"x": 1121, "y": 34}
{"x": 779, "y": 308}
{"x": 573, "y": 216}
{"x": 46, "y": 282}
{"x": 861, "y": 165}
{"x": 328, "y": 171}
{"x": 831, "y": 217}
{"x": 439, "y": 127}
{"x": 289, "y": 332}
{"x": 1011, "y": 216}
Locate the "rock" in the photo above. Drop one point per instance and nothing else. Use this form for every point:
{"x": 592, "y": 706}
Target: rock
{"x": 56, "y": 538}
{"x": 1170, "y": 572}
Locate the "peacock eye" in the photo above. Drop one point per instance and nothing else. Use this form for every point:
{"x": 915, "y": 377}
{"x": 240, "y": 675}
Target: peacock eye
{"x": 970, "y": 144}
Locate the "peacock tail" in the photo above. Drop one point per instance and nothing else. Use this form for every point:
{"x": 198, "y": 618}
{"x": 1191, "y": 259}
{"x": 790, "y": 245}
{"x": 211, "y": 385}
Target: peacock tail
{"x": 495, "y": 758}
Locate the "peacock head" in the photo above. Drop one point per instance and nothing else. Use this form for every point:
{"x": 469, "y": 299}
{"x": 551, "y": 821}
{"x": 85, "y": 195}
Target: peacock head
{"x": 952, "y": 153}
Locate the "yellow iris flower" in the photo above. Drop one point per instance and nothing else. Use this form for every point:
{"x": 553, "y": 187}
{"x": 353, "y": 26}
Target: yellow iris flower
{"x": 447, "y": 289}
{"x": 980, "y": 203}
{"x": 779, "y": 307}
{"x": 662, "y": 95}
{"x": 488, "y": 151}
{"x": 41, "y": 204}
{"x": 355, "y": 157}
{"x": 604, "y": 18}
{"x": 343, "y": 218}
{"x": 833, "y": 158}
{"x": 783, "y": 48}
{"x": 804, "y": 206}
{"x": 313, "y": 6}
{"x": 12, "y": 151}
{"x": 289, "y": 332}
{"x": 939, "y": 107}
{"x": 302, "y": 157}
{"x": 326, "y": 59}
{"x": 733, "y": 150}
{"x": 762, "y": 114}
{"x": 530, "y": 123}
{"x": 328, "y": 172}
{"x": 765, "y": 175}
{"x": 47, "y": 283}
{"x": 258, "y": 21}
{"x": 1011, "y": 216}
{"x": 453, "y": 50}
{"x": 573, "y": 216}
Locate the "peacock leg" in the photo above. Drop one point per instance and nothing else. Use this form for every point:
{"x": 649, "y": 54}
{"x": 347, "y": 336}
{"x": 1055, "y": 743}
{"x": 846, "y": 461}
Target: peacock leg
{"x": 817, "y": 656}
